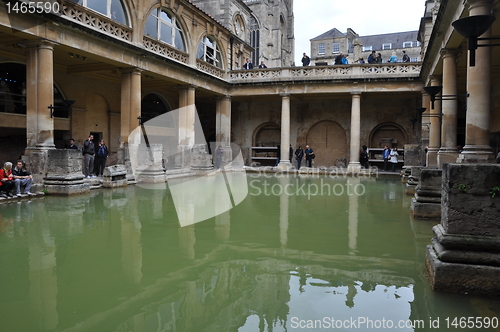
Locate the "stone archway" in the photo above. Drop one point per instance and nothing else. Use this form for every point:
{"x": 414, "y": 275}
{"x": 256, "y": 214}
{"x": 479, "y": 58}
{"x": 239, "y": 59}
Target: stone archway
{"x": 390, "y": 134}
{"x": 329, "y": 141}
{"x": 267, "y": 134}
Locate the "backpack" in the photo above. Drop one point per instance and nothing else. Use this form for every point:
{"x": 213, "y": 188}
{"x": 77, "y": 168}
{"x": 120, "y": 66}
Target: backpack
{"x": 102, "y": 151}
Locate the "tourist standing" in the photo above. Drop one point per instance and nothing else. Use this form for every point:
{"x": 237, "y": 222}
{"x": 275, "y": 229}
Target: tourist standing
{"x": 88, "y": 152}
{"x": 406, "y": 58}
{"x": 309, "y": 156}
{"x": 248, "y": 64}
{"x": 393, "y": 58}
{"x": 290, "y": 152}
{"x": 21, "y": 178}
{"x": 394, "y": 158}
{"x": 299, "y": 154}
{"x": 363, "y": 157}
{"x": 385, "y": 155}
{"x": 262, "y": 65}
{"x": 102, "y": 155}
{"x": 305, "y": 60}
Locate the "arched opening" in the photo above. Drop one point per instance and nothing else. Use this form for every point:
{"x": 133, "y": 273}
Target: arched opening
{"x": 390, "y": 134}
{"x": 329, "y": 141}
{"x": 160, "y": 129}
{"x": 13, "y": 91}
{"x": 113, "y": 9}
{"x": 265, "y": 140}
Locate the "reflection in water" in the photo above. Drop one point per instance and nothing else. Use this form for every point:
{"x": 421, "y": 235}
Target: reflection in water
{"x": 119, "y": 260}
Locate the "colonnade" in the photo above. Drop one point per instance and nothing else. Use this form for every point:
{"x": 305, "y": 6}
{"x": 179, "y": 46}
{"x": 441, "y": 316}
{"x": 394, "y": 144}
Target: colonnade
{"x": 443, "y": 132}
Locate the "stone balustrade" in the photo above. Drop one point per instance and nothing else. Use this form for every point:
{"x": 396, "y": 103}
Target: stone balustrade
{"x": 96, "y": 21}
{"x": 322, "y": 73}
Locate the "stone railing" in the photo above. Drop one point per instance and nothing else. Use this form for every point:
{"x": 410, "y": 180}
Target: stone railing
{"x": 96, "y": 21}
{"x": 210, "y": 69}
{"x": 164, "y": 49}
{"x": 320, "y": 73}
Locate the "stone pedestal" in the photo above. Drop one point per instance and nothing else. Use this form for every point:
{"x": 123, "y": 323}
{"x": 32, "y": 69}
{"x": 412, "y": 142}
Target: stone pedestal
{"x": 64, "y": 173}
{"x": 406, "y": 172}
{"x": 149, "y": 163}
{"x": 465, "y": 254}
{"x": 412, "y": 183}
{"x": 412, "y": 155}
{"x": 114, "y": 176}
{"x": 427, "y": 201}
{"x": 200, "y": 158}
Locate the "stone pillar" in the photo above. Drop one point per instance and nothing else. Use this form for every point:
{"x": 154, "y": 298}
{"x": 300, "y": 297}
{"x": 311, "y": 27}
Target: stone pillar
{"x": 427, "y": 201}
{"x": 435, "y": 128}
{"x": 39, "y": 96}
{"x": 426, "y": 102}
{"x": 186, "y": 131}
{"x": 223, "y": 128}
{"x": 64, "y": 173}
{"x": 354, "y": 165}
{"x": 465, "y": 254}
{"x": 477, "y": 147}
{"x": 130, "y": 111}
{"x": 448, "y": 152}
{"x": 130, "y": 103}
{"x": 285, "y": 132}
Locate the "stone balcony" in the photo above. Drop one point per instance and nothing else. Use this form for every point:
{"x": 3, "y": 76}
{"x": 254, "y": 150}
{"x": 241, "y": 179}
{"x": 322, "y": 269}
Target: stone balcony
{"x": 363, "y": 72}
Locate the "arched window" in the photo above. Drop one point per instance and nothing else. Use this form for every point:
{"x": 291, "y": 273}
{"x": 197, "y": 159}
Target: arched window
{"x": 164, "y": 26}
{"x": 254, "y": 39}
{"x": 209, "y": 51}
{"x": 110, "y": 8}
{"x": 239, "y": 26}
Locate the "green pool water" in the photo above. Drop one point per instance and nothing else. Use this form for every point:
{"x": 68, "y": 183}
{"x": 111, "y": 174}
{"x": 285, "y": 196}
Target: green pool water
{"x": 297, "y": 254}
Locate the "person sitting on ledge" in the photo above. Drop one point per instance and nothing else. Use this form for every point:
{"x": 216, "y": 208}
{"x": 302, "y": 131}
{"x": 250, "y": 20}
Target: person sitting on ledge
{"x": 21, "y": 178}
{"x": 6, "y": 180}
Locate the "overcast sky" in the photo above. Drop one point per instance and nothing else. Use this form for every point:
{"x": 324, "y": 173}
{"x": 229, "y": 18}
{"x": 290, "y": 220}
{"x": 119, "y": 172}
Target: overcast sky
{"x": 365, "y": 17}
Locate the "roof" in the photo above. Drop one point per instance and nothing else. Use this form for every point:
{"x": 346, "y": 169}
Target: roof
{"x": 334, "y": 33}
{"x": 396, "y": 39}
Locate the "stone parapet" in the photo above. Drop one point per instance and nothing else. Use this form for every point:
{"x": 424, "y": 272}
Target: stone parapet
{"x": 465, "y": 252}
{"x": 427, "y": 201}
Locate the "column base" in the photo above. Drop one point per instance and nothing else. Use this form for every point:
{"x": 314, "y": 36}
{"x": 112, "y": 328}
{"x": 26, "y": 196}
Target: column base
{"x": 431, "y": 158}
{"x": 284, "y": 165}
{"x": 353, "y": 167}
{"x": 446, "y": 155}
{"x": 476, "y": 154}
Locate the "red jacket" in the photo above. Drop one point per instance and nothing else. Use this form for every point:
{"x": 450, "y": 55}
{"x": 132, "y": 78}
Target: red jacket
{"x": 4, "y": 175}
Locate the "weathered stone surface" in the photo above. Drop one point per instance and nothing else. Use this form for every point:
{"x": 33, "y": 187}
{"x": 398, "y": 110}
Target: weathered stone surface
{"x": 200, "y": 158}
{"x": 427, "y": 201}
{"x": 461, "y": 278}
{"x": 412, "y": 155}
{"x": 465, "y": 254}
{"x": 468, "y": 206}
{"x": 114, "y": 176}
{"x": 64, "y": 173}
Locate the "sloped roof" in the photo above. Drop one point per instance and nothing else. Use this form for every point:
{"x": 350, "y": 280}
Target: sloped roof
{"x": 334, "y": 33}
{"x": 396, "y": 39}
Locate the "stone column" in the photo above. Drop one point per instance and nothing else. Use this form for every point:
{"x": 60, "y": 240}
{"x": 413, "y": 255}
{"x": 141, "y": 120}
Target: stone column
{"x": 448, "y": 152}
{"x": 477, "y": 147}
{"x": 435, "y": 128}
{"x": 130, "y": 110}
{"x": 426, "y": 102}
{"x": 223, "y": 128}
{"x": 130, "y": 103}
{"x": 354, "y": 165}
{"x": 186, "y": 126}
{"x": 285, "y": 132}
{"x": 39, "y": 96}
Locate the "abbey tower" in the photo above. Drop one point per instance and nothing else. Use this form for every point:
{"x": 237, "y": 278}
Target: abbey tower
{"x": 267, "y": 25}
